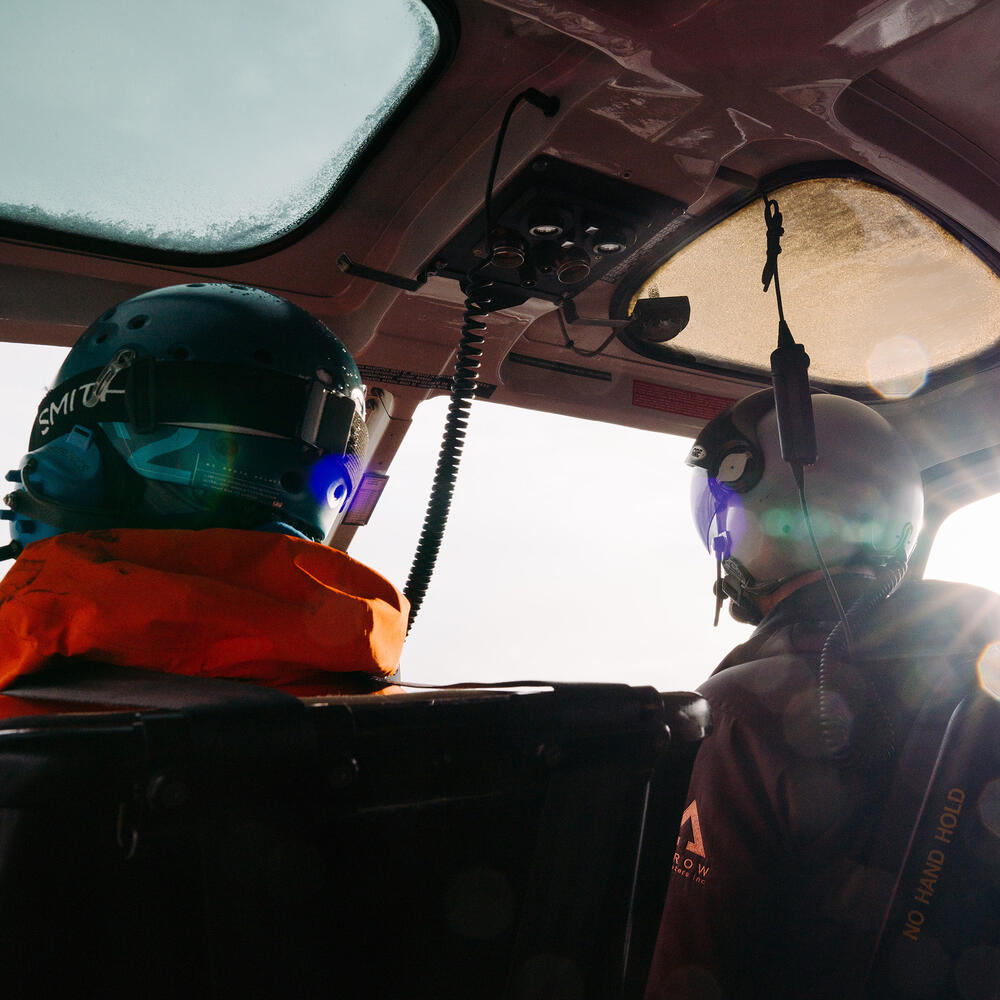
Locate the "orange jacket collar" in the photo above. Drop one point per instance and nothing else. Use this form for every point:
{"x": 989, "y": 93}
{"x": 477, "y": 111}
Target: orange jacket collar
{"x": 216, "y": 603}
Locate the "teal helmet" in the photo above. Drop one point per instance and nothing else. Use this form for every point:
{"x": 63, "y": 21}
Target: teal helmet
{"x": 199, "y": 405}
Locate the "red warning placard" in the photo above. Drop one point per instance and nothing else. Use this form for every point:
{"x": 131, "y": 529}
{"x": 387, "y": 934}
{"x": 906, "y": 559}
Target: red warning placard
{"x": 682, "y": 401}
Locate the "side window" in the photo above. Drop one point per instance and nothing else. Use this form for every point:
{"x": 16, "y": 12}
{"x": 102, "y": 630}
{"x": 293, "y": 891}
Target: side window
{"x": 570, "y": 554}
{"x": 965, "y": 546}
{"x": 26, "y": 372}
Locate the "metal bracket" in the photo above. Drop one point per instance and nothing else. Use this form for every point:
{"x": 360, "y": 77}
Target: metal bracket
{"x": 573, "y": 317}
{"x": 355, "y": 270}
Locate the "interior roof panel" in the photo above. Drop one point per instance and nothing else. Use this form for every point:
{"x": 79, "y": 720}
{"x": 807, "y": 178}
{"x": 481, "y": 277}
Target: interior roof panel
{"x": 656, "y": 94}
{"x": 942, "y": 74}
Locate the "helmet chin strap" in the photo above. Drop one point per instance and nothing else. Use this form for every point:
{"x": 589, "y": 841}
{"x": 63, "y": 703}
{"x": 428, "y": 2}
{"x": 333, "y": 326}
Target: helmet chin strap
{"x": 742, "y": 607}
{"x": 733, "y": 581}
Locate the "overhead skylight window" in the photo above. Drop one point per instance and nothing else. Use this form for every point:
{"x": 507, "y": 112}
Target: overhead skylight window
{"x": 195, "y": 127}
{"x": 880, "y": 296}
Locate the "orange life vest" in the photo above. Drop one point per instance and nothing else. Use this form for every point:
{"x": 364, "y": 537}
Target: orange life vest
{"x": 216, "y": 603}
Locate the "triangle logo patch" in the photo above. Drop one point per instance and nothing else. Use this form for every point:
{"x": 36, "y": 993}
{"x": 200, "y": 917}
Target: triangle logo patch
{"x": 690, "y": 818}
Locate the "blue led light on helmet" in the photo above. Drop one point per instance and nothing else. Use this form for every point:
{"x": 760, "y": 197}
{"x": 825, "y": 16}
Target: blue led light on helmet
{"x": 329, "y": 482}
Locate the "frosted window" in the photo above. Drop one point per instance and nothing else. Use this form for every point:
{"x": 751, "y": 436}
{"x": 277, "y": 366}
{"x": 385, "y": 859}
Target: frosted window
{"x": 192, "y": 126}
{"x": 876, "y": 292}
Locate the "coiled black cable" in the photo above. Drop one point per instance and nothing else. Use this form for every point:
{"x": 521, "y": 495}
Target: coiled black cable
{"x": 869, "y": 735}
{"x": 478, "y": 305}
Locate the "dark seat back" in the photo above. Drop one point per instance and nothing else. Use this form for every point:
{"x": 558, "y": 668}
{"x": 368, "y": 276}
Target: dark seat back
{"x": 441, "y": 844}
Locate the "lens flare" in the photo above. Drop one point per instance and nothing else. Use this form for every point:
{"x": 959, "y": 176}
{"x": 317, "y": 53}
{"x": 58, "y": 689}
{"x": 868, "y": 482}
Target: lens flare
{"x": 897, "y": 367}
{"x": 988, "y": 806}
{"x": 788, "y": 523}
{"x": 780, "y": 523}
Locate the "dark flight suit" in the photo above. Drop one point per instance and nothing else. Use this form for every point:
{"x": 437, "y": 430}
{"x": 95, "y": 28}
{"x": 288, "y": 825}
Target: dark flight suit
{"x": 783, "y": 869}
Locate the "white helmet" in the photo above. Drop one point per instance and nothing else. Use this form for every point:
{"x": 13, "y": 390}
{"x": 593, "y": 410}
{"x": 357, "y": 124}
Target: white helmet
{"x": 864, "y": 496}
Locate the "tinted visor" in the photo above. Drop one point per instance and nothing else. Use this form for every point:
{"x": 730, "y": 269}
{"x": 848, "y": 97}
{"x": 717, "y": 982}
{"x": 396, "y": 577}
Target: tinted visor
{"x": 704, "y": 506}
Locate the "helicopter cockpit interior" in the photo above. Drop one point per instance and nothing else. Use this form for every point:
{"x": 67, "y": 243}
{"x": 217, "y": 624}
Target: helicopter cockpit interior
{"x": 509, "y": 208}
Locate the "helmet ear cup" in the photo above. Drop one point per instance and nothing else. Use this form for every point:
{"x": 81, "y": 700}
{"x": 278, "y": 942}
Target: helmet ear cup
{"x": 67, "y": 470}
{"x": 740, "y": 467}
{"x": 71, "y": 483}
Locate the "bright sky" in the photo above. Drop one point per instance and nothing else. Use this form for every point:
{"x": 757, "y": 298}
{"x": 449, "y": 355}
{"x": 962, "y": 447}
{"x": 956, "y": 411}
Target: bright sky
{"x": 570, "y": 553}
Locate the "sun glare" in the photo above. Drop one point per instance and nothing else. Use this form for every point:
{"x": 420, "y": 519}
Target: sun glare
{"x": 966, "y": 546}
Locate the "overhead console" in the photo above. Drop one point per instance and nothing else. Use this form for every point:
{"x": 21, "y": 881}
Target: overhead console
{"x": 556, "y": 228}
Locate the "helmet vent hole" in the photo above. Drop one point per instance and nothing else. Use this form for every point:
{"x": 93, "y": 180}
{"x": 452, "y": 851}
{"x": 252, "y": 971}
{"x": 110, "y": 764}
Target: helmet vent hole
{"x": 137, "y": 322}
{"x": 197, "y": 284}
{"x": 179, "y": 353}
{"x": 100, "y": 338}
{"x": 293, "y": 481}
{"x": 263, "y": 357}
